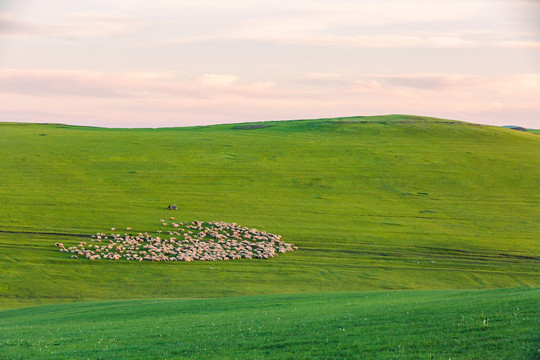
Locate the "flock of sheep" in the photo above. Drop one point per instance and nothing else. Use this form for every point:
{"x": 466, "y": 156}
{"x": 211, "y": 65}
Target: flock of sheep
{"x": 193, "y": 241}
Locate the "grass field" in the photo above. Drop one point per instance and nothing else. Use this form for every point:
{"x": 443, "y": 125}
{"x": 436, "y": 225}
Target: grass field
{"x": 437, "y": 324}
{"x": 373, "y": 203}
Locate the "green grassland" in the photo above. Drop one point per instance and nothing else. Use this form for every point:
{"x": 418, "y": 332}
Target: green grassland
{"x": 436, "y": 324}
{"x": 373, "y": 203}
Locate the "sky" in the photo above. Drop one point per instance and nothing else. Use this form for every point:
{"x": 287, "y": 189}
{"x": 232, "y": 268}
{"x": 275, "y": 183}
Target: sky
{"x": 135, "y": 63}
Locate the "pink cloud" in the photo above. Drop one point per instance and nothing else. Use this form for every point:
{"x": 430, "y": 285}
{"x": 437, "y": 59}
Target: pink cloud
{"x": 68, "y": 83}
{"x": 217, "y": 79}
{"x": 433, "y": 81}
{"x": 522, "y": 85}
{"x": 79, "y": 25}
{"x": 11, "y": 25}
{"x": 165, "y": 99}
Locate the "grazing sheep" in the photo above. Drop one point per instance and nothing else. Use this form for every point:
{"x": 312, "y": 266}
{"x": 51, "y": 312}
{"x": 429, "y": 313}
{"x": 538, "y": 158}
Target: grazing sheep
{"x": 213, "y": 241}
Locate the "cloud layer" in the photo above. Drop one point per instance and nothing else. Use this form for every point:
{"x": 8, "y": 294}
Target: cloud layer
{"x": 165, "y": 99}
{"x": 84, "y": 25}
{"x": 173, "y": 63}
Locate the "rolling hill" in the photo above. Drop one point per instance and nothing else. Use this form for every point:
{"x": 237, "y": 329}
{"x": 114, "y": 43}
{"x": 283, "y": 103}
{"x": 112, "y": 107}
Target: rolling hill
{"x": 373, "y": 203}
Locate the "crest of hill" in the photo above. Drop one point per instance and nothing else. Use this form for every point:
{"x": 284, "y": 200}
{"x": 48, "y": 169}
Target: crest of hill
{"x": 350, "y": 123}
{"x": 359, "y": 120}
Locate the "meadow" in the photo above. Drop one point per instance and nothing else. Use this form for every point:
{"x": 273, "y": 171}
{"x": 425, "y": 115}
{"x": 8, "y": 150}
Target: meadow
{"x": 382, "y": 203}
{"x": 436, "y": 324}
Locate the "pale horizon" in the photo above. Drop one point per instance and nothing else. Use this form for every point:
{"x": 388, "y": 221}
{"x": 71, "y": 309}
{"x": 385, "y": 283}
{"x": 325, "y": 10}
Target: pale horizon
{"x": 130, "y": 63}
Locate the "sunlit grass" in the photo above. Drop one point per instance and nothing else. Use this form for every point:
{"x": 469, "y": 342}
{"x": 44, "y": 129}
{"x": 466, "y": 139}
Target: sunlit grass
{"x": 437, "y": 324}
{"x": 394, "y": 202}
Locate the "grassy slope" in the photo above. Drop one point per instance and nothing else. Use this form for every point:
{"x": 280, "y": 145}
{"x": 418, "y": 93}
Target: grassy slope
{"x": 438, "y": 324}
{"x": 390, "y": 202}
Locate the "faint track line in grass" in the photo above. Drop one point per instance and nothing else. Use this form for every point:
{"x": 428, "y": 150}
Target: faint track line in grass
{"x": 42, "y": 233}
{"x": 437, "y": 252}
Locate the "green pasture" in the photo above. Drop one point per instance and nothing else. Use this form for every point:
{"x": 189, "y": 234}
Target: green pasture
{"x": 437, "y": 324}
{"x": 373, "y": 203}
